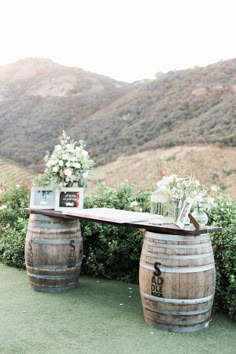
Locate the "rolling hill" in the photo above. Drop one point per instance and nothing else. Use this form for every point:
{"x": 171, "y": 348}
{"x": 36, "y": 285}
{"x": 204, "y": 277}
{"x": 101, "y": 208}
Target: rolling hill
{"x": 210, "y": 164}
{"x": 12, "y": 173}
{"x": 39, "y": 98}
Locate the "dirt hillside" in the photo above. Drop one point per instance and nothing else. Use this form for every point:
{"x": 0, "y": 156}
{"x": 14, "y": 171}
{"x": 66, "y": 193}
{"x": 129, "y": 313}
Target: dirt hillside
{"x": 209, "y": 163}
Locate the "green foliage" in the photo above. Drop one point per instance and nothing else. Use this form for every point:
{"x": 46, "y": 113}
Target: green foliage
{"x": 224, "y": 247}
{"x": 12, "y": 244}
{"x": 171, "y": 158}
{"x": 229, "y": 172}
{"x": 224, "y": 212}
{"x": 229, "y": 140}
{"x": 13, "y": 224}
{"x": 13, "y": 200}
{"x": 110, "y": 251}
{"x": 214, "y": 176}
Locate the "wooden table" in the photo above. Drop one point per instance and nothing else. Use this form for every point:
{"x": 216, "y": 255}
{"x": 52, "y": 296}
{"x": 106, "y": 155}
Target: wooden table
{"x": 176, "y": 273}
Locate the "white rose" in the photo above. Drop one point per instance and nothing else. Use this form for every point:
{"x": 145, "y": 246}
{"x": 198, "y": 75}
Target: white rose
{"x": 49, "y": 163}
{"x": 65, "y": 156}
{"x": 68, "y": 172}
{"x": 57, "y": 148}
{"x": 84, "y": 153}
{"x": 76, "y": 165}
{"x": 69, "y": 147}
{"x": 214, "y": 188}
{"x": 55, "y": 169}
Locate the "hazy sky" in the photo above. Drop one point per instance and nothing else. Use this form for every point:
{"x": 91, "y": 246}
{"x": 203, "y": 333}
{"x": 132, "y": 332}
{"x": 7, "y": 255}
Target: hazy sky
{"x": 125, "y": 39}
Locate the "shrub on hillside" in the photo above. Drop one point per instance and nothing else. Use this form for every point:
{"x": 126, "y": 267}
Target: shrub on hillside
{"x": 13, "y": 224}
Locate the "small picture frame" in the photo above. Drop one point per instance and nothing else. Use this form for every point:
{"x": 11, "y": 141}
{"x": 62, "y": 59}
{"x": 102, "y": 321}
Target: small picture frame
{"x": 69, "y": 198}
{"x": 42, "y": 198}
{"x": 183, "y": 215}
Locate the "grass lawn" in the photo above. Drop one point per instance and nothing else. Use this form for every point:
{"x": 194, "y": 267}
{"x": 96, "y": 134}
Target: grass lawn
{"x": 99, "y": 317}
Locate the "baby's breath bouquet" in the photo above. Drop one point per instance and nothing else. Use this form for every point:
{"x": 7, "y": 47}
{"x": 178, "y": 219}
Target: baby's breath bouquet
{"x": 178, "y": 188}
{"x": 68, "y": 165}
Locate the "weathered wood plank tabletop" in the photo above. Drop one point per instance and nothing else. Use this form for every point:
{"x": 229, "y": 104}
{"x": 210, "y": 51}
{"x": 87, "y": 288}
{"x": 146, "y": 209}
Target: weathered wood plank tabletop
{"x": 149, "y": 222}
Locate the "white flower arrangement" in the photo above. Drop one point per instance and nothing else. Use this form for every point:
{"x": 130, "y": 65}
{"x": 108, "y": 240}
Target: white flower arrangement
{"x": 134, "y": 205}
{"x": 68, "y": 165}
{"x": 175, "y": 188}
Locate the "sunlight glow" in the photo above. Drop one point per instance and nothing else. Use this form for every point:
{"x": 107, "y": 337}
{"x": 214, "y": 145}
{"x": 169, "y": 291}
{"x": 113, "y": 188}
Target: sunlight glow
{"x": 127, "y": 39}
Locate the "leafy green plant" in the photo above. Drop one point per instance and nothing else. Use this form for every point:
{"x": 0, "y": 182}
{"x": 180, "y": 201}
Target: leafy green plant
{"x": 110, "y": 251}
{"x": 224, "y": 247}
{"x": 13, "y": 224}
{"x": 12, "y": 244}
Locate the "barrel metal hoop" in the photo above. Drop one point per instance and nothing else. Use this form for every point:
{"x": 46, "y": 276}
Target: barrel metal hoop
{"x": 174, "y": 246}
{"x": 195, "y": 269}
{"x": 177, "y": 301}
{"x": 186, "y": 322}
{"x": 179, "y": 313}
{"x": 53, "y": 231}
{"x": 53, "y": 267}
{"x": 183, "y": 257}
{"x": 179, "y": 328}
{"x": 53, "y": 242}
{"x": 51, "y": 277}
{"x": 168, "y": 237}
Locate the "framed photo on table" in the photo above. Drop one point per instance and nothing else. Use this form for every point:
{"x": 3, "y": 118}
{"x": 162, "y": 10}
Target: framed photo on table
{"x": 69, "y": 199}
{"x": 42, "y": 198}
{"x": 183, "y": 215}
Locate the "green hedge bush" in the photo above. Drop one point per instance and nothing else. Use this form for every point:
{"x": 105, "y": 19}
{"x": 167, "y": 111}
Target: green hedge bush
{"x": 114, "y": 251}
{"x": 224, "y": 247}
{"x": 13, "y": 225}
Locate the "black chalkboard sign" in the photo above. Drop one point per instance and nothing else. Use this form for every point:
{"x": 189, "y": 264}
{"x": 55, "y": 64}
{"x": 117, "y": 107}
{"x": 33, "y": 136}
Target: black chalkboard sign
{"x": 69, "y": 198}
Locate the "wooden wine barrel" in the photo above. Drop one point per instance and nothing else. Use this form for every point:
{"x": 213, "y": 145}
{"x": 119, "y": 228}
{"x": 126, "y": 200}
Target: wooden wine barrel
{"x": 177, "y": 281}
{"x": 53, "y": 253}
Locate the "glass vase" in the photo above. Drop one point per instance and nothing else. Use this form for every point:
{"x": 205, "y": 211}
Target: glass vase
{"x": 200, "y": 216}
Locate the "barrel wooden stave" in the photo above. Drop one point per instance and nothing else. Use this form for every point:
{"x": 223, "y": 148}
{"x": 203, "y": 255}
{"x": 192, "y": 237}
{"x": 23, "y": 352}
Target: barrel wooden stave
{"x": 53, "y": 253}
{"x": 182, "y": 286}
{"x": 187, "y": 270}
